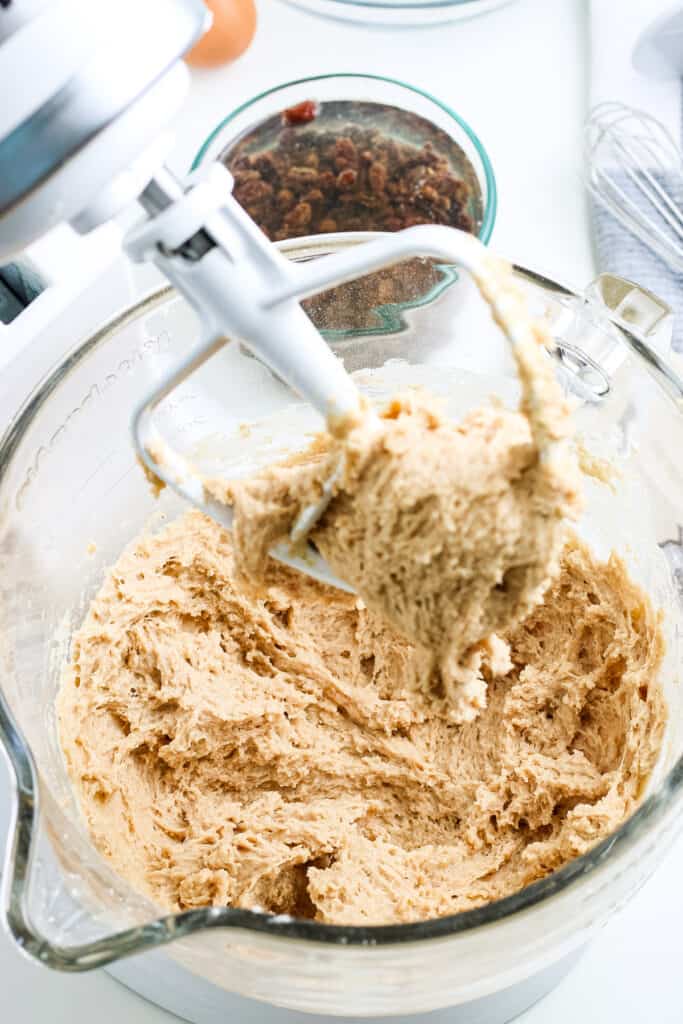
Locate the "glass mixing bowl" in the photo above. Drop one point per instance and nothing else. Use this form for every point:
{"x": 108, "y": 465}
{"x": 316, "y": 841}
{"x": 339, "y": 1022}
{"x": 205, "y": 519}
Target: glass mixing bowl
{"x": 71, "y": 496}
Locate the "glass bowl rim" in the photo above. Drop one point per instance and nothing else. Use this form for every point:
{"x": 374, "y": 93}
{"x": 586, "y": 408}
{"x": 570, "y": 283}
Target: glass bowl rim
{"x": 652, "y": 811}
{"x": 491, "y": 207}
{"x": 413, "y": 5}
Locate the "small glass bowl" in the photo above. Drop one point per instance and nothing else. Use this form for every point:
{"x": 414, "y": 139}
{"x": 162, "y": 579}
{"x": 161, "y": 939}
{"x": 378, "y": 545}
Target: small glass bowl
{"x": 402, "y": 113}
{"x": 398, "y": 13}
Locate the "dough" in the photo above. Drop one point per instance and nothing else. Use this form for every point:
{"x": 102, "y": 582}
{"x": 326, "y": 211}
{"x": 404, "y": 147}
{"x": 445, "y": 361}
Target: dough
{"x": 450, "y": 532}
{"x": 282, "y": 751}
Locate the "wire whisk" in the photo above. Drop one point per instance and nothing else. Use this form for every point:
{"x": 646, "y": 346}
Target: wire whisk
{"x": 634, "y": 168}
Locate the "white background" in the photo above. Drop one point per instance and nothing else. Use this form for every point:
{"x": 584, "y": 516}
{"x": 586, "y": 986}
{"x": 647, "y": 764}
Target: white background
{"x": 520, "y": 78}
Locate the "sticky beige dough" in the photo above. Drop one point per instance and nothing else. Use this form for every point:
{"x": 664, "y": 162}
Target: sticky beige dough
{"x": 273, "y": 750}
{"x": 448, "y": 531}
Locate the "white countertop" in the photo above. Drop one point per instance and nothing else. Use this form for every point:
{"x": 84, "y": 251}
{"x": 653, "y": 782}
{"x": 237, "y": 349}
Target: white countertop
{"x": 519, "y": 77}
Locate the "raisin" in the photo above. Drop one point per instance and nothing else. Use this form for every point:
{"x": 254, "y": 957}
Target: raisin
{"x": 346, "y": 178}
{"x": 378, "y": 178}
{"x": 301, "y": 113}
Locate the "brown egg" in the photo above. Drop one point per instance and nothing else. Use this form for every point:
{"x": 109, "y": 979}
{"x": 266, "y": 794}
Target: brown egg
{"x": 234, "y": 24}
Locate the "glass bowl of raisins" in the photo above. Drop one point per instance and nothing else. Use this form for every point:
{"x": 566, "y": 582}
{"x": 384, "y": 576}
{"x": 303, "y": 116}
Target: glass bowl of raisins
{"x": 348, "y": 152}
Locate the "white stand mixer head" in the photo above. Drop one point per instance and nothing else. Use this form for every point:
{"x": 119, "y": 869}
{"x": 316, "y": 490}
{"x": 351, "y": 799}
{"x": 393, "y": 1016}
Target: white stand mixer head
{"x": 82, "y": 124}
